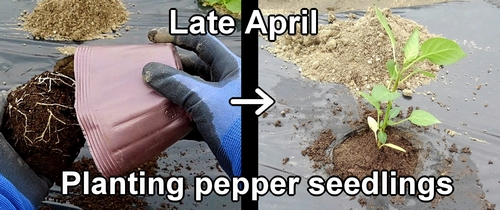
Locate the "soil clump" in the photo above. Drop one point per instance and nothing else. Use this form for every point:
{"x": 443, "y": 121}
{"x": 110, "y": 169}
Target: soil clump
{"x": 353, "y": 52}
{"x": 316, "y": 151}
{"x": 40, "y": 121}
{"x": 358, "y": 155}
{"x": 74, "y": 20}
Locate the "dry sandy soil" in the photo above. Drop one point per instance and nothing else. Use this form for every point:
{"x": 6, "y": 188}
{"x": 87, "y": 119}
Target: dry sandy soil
{"x": 293, "y": 6}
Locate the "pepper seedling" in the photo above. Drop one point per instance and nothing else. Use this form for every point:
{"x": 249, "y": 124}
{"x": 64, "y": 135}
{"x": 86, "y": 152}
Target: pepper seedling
{"x": 437, "y": 50}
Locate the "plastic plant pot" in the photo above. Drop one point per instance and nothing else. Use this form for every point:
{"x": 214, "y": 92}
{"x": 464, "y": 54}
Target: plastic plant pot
{"x": 125, "y": 122}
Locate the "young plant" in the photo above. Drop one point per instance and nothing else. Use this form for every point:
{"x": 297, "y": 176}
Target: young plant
{"x": 233, "y": 6}
{"x": 439, "y": 51}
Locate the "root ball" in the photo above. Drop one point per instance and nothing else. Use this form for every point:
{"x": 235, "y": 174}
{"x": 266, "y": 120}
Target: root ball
{"x": 40, "y": 121}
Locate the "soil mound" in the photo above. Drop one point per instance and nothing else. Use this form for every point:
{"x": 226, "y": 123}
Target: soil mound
{"x": 78, "y": 20}
{"x": 353, "y": 52}
{"x": 358, "y": 155}
{"x": 40, "y": 121}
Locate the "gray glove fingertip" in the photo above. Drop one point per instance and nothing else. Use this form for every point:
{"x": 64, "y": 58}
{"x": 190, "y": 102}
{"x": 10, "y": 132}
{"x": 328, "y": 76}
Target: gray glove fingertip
{"x": 160, "y": 35}
{"x": 154, "y": 71}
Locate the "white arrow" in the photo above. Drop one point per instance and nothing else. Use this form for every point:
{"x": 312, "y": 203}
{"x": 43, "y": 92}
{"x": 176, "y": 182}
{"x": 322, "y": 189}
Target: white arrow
{"x": 266, "y": 101}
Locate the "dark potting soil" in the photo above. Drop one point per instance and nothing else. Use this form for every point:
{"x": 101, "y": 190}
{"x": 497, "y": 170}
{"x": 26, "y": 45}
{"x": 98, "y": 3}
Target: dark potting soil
{"x": 358, "y": 155}
{"x": 316, "y": 151}
{"x": 66, "y": 66}
{"x": 45, "y": 207}
{"x": 41, "y": 124}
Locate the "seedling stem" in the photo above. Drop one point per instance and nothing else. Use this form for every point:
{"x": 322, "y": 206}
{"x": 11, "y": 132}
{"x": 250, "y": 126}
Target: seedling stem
{"x": 437, "y": 50}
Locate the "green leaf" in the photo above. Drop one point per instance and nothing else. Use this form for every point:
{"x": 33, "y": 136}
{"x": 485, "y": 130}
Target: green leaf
{"x": 412, "y": 46}
{"x": 394, "y": 112}
{"x": 441, "y": 51}
{"x": 382, "y": 137}
{"x": 422, "y": 118}
{"x": 234, "y": 6}
{"x": 381, "y": 93}
{"x": 212, "y": 2}
{"x": 390, "y": 122}
{"x": 372, "y": 101}
{"x": 426, "y": 73}
{"x": 393, "y": 146}
{"x": 384, "y": 23}
{"x": 391, "y": 67}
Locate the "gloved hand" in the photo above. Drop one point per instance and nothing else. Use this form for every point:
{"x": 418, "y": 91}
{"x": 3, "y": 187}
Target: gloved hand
{"x": 209, "y": 80}
{"x": 20, "y": 187}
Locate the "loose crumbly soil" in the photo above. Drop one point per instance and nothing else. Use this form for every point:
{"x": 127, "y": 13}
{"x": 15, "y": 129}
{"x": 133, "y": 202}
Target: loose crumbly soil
{"x": 78, "y": 20}
{"x": 66, "y": 50}
{"x": 41, "y": 124}
{"x": 317, "y": 150}
{"x": 353, "y": 52}
{"x": 358, "y": 155}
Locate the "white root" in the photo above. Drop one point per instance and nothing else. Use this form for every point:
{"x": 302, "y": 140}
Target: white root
{"x": 25, "y": 123}
{"x": 44, "y": 104}
{"x": 63, "y": 79}
{"x": 19, "y": 100}
{"x": 47, "y": 127}
{"x": 62, "y": 75}
{"x": 42, "y": 80}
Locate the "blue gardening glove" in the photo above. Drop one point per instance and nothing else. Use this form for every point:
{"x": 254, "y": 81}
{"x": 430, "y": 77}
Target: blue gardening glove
{"x": 210, "y": 79}
{"x": 10, "y": 197}
{"x": 20, "y": 187}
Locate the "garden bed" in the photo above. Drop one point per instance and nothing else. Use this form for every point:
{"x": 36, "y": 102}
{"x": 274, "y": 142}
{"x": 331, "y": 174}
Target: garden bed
{"x": 322, "y": 115}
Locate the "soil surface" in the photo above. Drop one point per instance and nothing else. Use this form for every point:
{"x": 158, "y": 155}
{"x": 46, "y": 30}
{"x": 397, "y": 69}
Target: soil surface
{"x": 66, "y": 66}
{"x": 77, "y": 20}
{"x": 353, "y": 52}
{"x": 358, "y": 155}
{"x": 290, "y": 6}
{"x": 41, "y": 124}
{"x": 321, "y": 116}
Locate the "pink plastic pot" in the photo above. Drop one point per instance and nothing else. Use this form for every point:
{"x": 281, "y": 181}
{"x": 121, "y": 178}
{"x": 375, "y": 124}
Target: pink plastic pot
{"x": 125, "y": 122}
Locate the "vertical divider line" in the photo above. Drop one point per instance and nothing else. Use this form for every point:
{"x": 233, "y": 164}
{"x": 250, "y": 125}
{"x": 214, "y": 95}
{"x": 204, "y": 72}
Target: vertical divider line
{"x": 249, "y": 82}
